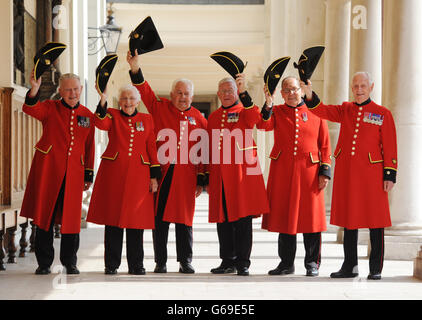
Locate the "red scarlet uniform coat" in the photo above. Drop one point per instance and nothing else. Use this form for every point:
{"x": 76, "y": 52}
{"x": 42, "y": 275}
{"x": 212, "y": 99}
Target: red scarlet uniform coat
{"x": 244, "y": 186}
{"x": 66, "y": 149}
{"x": 180, "y": 206}
{"x": 121, "y": 195}
{"x": 301, "y": 147}
{"x": 366, "y": 155}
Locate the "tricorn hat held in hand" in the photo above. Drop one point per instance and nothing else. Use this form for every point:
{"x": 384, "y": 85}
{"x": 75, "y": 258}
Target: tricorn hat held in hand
{"x": 145, "y": 38}
{"x": 274, "y": 73}
{"x": 308, "y": 62}
{"x": 231, "y": 63}
{"x": 104, "y": 70}
{"x": 46, "y": 56}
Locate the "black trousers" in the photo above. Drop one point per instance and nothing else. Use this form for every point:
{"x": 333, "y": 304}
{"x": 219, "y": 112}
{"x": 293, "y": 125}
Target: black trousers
{"x": 44, "y": 241}
{"x": 113, "y": 245}
{"x": 235, "y": 239}
{"x": 350, "y": 245}
{"x": 184, "y": 235}
{"x": 287, "y": 244}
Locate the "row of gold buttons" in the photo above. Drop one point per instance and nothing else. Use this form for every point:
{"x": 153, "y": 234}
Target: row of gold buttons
{"x": 297, "y": 132}
{"x": 132, "y": 134}
{"x": 356, "y": 131}
{"x": 72, "y": 137}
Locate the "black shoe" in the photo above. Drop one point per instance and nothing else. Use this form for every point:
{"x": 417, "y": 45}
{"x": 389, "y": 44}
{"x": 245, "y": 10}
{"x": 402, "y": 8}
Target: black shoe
{"x": 43, "y": 271}
{"x": 344, "y": 274}
{"x": 186, "y": 267}
{"x": 160, "y": 268}
{"x": 242, "y": 271}
{"x": 282, "y": 270}
{"x": 222, "y": 269}
{"x": 312, "y": 272}
{"x": 71, "y": 270}
{"x": 374, "y": 276}
{"x": 110, "y": 271}
{"x": 137, "y": 271}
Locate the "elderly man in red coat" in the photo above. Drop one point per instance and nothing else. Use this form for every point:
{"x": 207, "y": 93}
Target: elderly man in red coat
{"x": 299, "y": 172}
{"x": 62, "y": 168}
{"x": 236, "y": 185}
{"x": 365, "y": 171}
{"x": 182, "y": 179}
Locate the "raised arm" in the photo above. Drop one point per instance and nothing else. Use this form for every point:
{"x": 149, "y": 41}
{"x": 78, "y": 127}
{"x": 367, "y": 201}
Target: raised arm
{"x": 147, "y": 94}
{"x": 32, "y": 105}
{"x": 102, "y": 119}
{"x": 267, "y": 121}
{"x": 328, "y": 112}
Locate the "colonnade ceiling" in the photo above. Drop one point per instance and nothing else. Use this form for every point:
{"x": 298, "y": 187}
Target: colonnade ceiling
{"x": 190, "y": 34}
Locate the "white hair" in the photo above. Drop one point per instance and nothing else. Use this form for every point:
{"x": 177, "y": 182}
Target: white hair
{"x": 67, "y": 76}
{"x": 366, "y": 74}
{"x": 187, "y": 82}
{"x": 131, "y": 88}
{"x": 290, "y": 77}
{"x": 228, "y": 79}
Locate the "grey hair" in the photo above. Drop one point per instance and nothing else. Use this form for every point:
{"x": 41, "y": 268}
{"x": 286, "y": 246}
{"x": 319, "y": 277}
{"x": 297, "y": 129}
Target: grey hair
{"x": 366, "y": 74}
{"x": 228, "y": 79}
{"x": 130, "y": 87}
{"x": 69, "y": 76}
{"x": 290, "y": 77}
{"x": 187, "y": 82}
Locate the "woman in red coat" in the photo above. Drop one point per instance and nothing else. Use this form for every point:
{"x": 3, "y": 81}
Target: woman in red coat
{"x": 123, "y": 192}
{"x": 299, "y": 171}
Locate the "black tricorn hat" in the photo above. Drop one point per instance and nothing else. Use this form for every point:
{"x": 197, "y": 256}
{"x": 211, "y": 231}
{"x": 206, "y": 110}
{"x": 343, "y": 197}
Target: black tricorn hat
{"x": 308, "y": 62}
{"x": 46, "y": 56}
{"x": 104, "y": 70}
{"x": 145, "y": 38}
{"x": 231, "y": 63}
{"x": 274, "y": 72}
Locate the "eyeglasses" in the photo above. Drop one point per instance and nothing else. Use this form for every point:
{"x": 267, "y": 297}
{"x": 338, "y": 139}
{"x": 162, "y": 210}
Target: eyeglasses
{"x": 290, "y": 91}
{"x": 227, "y": 91}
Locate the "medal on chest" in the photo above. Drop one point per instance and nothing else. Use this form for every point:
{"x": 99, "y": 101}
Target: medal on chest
{"x": 83, "y": 122}
{"x": 373, "y": 118}
{"x": 305, "y": 116}
{"x": 192, "y": 121}
{"x": 233, "y": 117}
{"x": 139, "y": 126}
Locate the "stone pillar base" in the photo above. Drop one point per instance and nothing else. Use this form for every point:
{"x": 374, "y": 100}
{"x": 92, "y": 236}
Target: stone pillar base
{"x": 402, "y": 247}
{"x": 417, "y": 265}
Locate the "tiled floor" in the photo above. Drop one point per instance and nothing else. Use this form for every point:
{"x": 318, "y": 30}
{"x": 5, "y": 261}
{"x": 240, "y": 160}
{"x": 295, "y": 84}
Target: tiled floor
{"x": 20, "y": 282}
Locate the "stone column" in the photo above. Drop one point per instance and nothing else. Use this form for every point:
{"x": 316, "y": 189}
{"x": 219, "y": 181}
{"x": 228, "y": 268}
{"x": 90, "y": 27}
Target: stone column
{"x": 6, "y": 52}
{"x": 402, "y": 83}
{"x": 336, "y": 69}
{"x": 366, "y": 53}
{"x": 366, "y": 42}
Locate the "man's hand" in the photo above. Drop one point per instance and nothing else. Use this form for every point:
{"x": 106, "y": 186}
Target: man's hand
{"x": 199, "y": 190}
{"x": 134, "y": 61}
{"x": 323, "y": 182}
{"x": 388, "y": 185}
{"x": 87, "y": 185}
{"x": 269, "y": 99}
{"x": 35, "y": 85}
{"x": 153, "y": 185}
{"x": 240, "y": 82}
{"x": 307, "y": 89}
